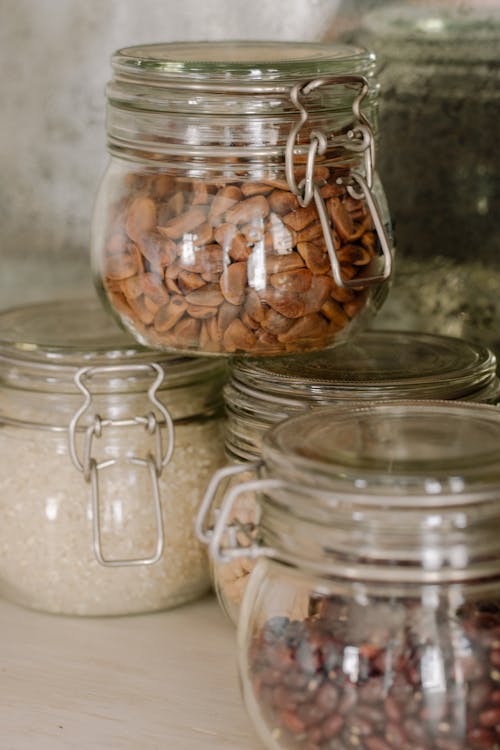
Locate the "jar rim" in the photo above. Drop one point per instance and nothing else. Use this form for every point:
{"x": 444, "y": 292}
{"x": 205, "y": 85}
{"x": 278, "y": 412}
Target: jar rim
{"x": 398, "y": 454}
{"x": 237, "y": 60}
{"x": 376, "y": 364}
{"x": 43, "y": 345}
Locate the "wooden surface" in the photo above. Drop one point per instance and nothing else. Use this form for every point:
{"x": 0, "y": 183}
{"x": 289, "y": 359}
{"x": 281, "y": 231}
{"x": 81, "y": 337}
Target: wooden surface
{"x": 164, "y": 681}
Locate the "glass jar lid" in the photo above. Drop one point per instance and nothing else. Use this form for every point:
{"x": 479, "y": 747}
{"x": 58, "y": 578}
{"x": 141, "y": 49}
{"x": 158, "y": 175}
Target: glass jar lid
{"x": 234, "y": 77}
{"x": 239, "y": 60}
{"x": 43, "y": 345}
{"x": 373, "y": 365}
{"x": 401, "y": 454}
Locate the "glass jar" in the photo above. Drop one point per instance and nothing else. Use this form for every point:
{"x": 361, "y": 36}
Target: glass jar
{"x": 440, "y": 164}
{"x": 104, "y": 450}
{"x": 240, "y": 211}
{"x": 373, "y": 366}
{"x": 372, "y": 618}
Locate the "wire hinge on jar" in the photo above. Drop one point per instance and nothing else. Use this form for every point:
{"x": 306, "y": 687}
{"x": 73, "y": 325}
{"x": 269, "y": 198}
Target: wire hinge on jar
{"x": 360, "y": 139}
{"x": 154, "y": 464}
{"x": 222, "y": 537}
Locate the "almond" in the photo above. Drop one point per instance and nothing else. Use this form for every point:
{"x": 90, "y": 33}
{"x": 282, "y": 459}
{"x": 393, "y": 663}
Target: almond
{"x": 187, "y": 332}
{"x": 301, "y": 217}
{"x": 188, "y": 281}
{"x": 184, "y": 223}
{"x": 311, "y": 232}
{"x": 158, "y": 250}
{"x": 121, "y": 266}
{"x": 290, "y": 305}
{"x": 207, "y": 296}
{"x": 233, "y": 283}
{"x": 141, "y": 218}
{"x": 154, "y": 288}
{"x": 280, "y": 263}
{"x": 317, "y": 294}
{"x": 335, "y": 313}
{"x": 248, "y": 210}
{"x": 253, "y": 306}
{"x": 341, "y": 218}
{"x": 282, "y": 202}
{"x": 316, "y": 258}
{"x": 276, "y": 323}
{"x": 298, "y": 280}
{"x": 227, "y": 313}
{"x": 255, "y": 188}
{"x": 168, "y": 315}
{"x": 309, "y": 327}
{"x": 224, "y": 200}
{"x": 355, "y": 255}
{"x": 237, "y": 337}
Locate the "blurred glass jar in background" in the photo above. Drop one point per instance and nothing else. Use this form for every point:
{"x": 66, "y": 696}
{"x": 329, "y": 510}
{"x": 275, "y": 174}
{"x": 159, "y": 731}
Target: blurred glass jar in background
{"x": 439, "y": 69}
{"x": 239, "y": 211}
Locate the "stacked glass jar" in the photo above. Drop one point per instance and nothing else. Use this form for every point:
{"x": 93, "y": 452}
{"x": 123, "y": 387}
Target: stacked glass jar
{"x": 104, "y": 451}
{"x": 262, "y": 392}
{"x": 241, "y": 212}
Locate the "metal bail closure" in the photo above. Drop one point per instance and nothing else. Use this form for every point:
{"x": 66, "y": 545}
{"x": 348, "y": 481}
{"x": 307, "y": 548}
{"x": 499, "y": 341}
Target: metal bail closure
{"x": 223, "y": 545}
{"x": 358, "y": 140}
{"x": 153, "y": 464}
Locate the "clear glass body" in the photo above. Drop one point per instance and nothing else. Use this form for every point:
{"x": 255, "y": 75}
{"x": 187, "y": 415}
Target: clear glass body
{"x": 47, "y": 535}
{"x": 261, "y": 393}
{"x": 199, "y": 243}
{"x": 373, "y": 620}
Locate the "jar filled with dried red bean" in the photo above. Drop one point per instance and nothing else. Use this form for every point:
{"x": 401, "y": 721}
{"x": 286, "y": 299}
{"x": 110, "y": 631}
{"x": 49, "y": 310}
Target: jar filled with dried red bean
{"x": 372, "y": 618}
{"x": 241, "y": 211}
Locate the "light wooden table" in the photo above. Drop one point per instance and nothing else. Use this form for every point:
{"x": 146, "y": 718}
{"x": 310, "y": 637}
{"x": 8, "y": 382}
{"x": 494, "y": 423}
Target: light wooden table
{"x": 164, "y": 681}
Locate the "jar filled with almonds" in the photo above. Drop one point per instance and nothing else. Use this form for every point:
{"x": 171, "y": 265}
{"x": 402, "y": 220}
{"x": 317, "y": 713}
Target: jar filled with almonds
{"x": 241, "y": 211}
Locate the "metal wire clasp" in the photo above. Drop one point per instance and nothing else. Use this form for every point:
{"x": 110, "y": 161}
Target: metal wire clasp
{"x": 222, "y": 538}
{"x": 154, "y": 465}
{"x": 359, "y": 139}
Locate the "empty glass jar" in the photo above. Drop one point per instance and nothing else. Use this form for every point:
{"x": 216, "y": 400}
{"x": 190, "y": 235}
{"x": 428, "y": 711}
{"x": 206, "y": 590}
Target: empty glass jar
{"x": 240, "y": 211}
{"x": 104, "y": 451}
{"x": 372, "y": 618}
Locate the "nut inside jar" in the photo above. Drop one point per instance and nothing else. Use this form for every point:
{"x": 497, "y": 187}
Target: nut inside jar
{"x": 237, "y": 266}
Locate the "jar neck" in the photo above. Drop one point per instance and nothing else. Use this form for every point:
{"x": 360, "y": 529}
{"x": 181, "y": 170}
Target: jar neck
{"x": 350, "y": 540}
{"x": 203, "y": 146}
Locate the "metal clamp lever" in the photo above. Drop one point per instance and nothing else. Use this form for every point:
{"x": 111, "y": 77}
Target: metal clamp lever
{"x": 90, "y": 468}
{"x": 306, "y": 190}
{"x": 359, "y": 281}
{"x": 223, "y": 553}
{"x": 203, "y": 530}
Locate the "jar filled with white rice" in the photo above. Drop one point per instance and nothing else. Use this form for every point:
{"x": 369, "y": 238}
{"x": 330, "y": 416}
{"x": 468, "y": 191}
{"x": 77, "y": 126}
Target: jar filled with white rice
{"x": 105, "y": 450}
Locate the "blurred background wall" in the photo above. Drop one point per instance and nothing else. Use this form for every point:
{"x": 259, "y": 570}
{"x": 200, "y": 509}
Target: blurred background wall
{"x": 54, "y": 58}
{"x": 54, "y": 62}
